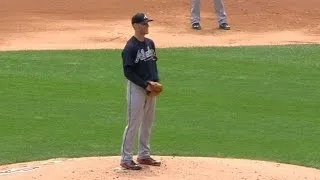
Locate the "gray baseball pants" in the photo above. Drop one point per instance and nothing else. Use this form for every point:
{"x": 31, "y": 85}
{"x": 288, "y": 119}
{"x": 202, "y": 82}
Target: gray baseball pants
{"x": 218, "y": 6}
{"x": 140, "y": 114}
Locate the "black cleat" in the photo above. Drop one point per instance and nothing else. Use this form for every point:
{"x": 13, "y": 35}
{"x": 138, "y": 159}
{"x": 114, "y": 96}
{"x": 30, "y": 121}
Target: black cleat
{"x": 224, "y": 26}
{"x": 196, "y": 26}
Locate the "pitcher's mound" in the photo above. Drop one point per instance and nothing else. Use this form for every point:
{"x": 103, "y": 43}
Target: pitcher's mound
{"x": 175, "y": 168}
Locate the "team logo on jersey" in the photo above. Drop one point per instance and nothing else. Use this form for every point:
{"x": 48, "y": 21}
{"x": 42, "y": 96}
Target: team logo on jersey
{"x": 143, "y": 55}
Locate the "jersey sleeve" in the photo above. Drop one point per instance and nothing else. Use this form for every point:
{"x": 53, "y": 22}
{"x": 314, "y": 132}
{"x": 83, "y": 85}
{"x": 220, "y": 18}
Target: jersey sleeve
{"x": 154, "y": 51}
{"x": 155, "y": 58}
{"x": 128, "y": 67}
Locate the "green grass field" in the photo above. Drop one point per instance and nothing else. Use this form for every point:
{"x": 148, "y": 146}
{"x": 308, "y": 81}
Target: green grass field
{"x": 242, "y": 102}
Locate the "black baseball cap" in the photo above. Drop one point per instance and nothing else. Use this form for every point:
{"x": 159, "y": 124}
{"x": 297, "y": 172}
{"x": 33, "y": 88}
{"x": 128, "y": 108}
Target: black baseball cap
{"x": 140, "y": 18}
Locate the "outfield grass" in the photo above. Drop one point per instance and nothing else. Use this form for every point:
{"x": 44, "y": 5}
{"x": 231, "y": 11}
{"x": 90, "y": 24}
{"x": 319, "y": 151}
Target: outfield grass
{"x": 242, "y": 102}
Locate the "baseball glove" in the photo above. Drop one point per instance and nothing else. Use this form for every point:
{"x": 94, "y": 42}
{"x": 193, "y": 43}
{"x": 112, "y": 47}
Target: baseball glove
{"x": 155, "y": 88}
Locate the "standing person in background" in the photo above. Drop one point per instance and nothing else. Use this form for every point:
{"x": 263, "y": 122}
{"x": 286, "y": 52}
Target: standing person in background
{"x": 219, "y": 9}
{"x": 140, "y": 68}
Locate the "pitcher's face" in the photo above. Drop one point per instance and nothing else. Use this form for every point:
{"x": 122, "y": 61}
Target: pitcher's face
{"x": 142, "y": 28}
{"x": 145, "y": 27}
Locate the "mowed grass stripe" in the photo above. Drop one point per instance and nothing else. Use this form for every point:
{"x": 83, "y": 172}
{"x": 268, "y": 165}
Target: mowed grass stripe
{"x": 245, "y": 102}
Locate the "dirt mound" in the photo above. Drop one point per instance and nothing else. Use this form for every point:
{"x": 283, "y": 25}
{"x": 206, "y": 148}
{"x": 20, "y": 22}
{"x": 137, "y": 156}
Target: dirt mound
{"x": 186, "y": 168}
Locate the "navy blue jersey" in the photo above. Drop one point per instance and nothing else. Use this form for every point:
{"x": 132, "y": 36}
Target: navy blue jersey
{"x": 139, "y": 61}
